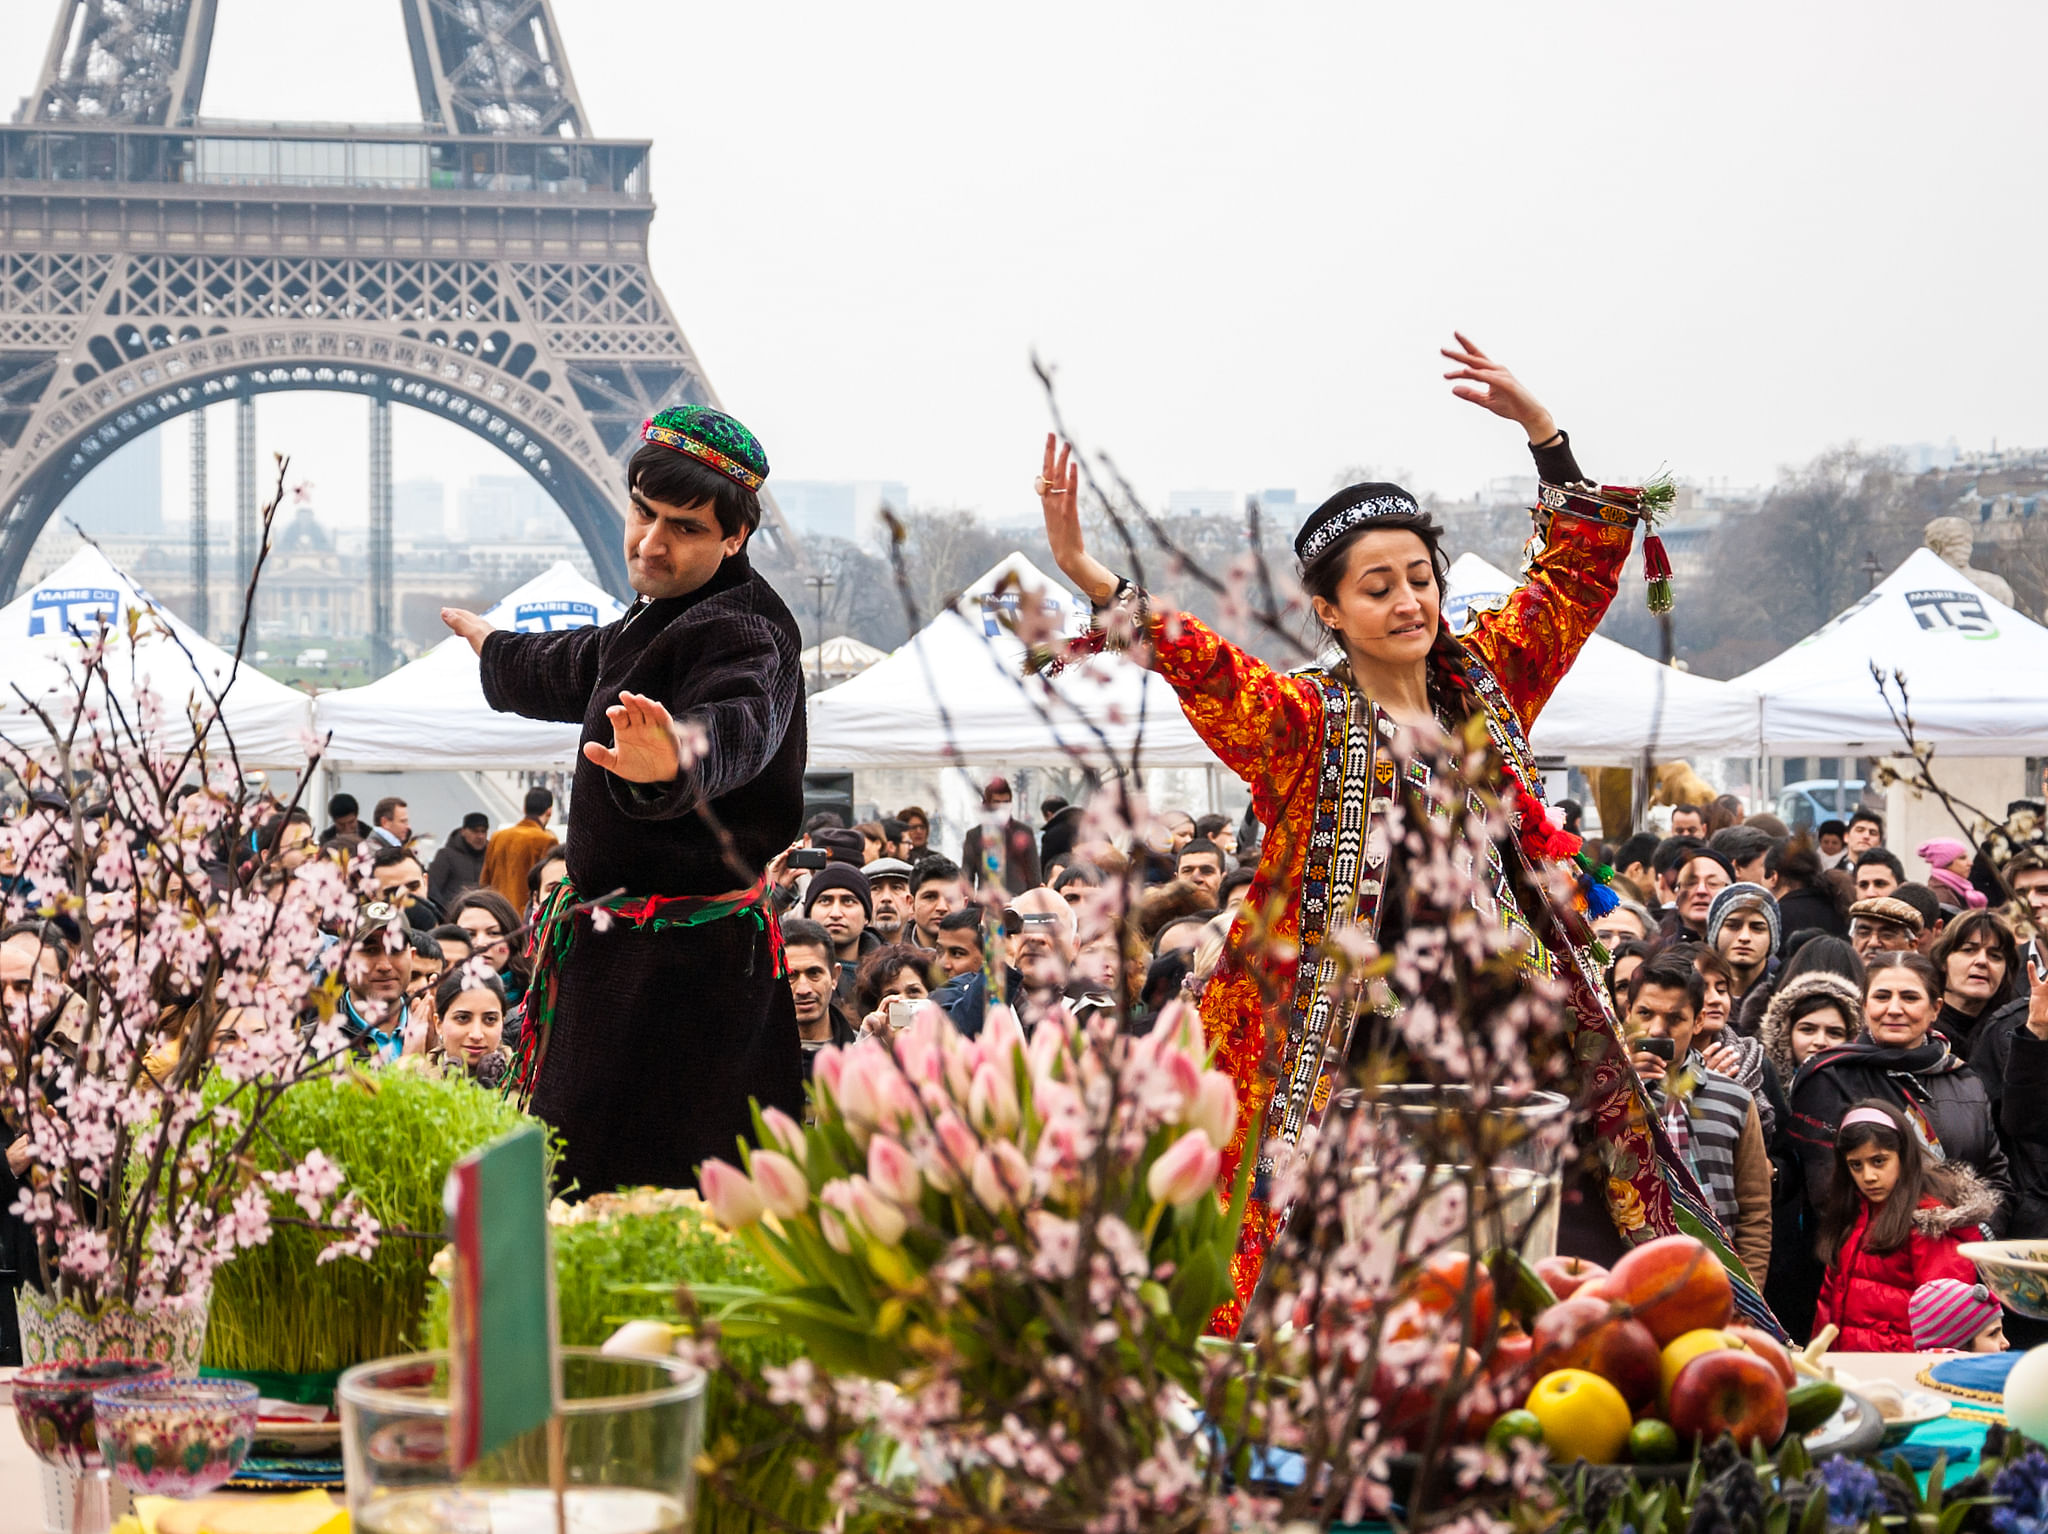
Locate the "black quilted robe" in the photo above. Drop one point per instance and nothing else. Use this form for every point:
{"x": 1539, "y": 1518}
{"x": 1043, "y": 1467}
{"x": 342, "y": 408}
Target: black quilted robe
{"x": 660, "y": 1038}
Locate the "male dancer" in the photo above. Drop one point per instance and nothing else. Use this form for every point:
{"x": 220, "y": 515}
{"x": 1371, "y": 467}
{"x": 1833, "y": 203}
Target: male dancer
{"x": 649, "y": 1026}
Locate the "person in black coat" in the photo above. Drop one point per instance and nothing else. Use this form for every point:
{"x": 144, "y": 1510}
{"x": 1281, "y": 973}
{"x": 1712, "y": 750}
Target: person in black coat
{"x": 1805, "y": 898}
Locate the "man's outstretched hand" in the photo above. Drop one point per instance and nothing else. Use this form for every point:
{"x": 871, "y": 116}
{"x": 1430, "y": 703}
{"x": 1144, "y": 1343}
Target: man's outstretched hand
{"x": 643, "y": 748}
{"x": 466, "y": 623}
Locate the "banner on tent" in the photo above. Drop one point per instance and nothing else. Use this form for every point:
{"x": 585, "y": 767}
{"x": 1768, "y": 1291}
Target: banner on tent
{"x": 999, "y": 610}
{"x": 552, "y": 617}
{"x": 1959, "y": 612}
{"x": 60, "y": 609}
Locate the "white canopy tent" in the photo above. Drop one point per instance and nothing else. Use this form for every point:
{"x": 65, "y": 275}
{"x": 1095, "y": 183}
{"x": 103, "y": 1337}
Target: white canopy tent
{"x": 1976, "y": 673}
{"x": 40, "y": 656}
{"x": 430, "y": 715}
{"x": 960, "y": 680}
{"x": 1615, "y": 702}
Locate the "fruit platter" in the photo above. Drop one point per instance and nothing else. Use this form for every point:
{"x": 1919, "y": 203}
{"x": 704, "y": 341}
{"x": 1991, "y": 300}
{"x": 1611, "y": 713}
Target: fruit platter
{"x": 1636, "y": 1366}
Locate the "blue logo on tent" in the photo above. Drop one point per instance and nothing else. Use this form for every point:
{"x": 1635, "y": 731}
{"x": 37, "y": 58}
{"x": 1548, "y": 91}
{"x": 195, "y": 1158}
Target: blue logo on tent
{"x": 60, "y": 609}
{"x": 1956, "y": 612}
{"x": 550, "y": 617}
{"x": 1460, "y": 606}
{"x": 999, "y": 610}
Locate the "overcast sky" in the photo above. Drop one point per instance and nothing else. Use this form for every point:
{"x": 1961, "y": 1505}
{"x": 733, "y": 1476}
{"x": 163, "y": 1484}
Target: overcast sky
{"x": 1715, "y": 237}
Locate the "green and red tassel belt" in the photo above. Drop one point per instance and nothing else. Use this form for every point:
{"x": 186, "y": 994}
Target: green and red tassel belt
{"x": 554, "y": 933}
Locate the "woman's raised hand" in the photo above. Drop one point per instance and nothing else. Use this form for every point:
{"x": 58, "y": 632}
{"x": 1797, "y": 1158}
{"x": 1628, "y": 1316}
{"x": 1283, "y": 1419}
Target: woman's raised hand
{"x": 1059, "y": 493}
{"x": 1492, "y": 387}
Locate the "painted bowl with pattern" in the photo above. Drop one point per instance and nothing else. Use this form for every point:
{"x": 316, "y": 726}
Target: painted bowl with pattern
{"x": 53, "y": 1404}
{"x": 176, "y": 1437}
{"x": 2016, "y": 1271}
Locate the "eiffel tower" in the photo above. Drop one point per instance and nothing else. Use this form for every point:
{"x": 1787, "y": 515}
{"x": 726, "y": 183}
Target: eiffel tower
{"x": 489, "y": 267}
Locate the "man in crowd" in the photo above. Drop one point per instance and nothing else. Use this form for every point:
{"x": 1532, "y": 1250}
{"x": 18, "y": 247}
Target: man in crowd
{"x": 398, "y": 877}
{"x": 1632, "y": 868}
{"x": 1883, "y": 925}
{"x": 1742, "y": 926}
{"x": 1201, "y": 864}
{"x": 1745, "y": 848}
{"x": 1221, "y": 830}
{"x": 1689, "y": 820}
{"x": 373, "y": 1013}
{"x": 1001, "y": 849}
{"x": 391, "y": 822}
{"x": 813, "y": 972}
{"x": 839, "y": 900}
{"x": 1878, "y": 872}
{"x": 346, "y": 828}
{"x": 458, "y": 867}
{"x": 1933, "y": 918}
{"x": 936, "y": 888}
{"x": 889, "y": 884}
{"x": 513, "y": 851}
{"x": 1701, "y": 877}
{"x": 1667, "y": 863}
{"x": 959, "y": 943}
{"x": 917, "y": 831}
{"x": 2026, "y": 872}
{"x": 1866, "y": 830}
{"x": 1712, "y": 1121}
{"x": 669, "y": 1018}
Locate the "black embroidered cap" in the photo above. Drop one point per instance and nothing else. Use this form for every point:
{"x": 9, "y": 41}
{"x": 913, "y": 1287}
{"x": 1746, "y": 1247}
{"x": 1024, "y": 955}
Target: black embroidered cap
{"x": 1351, "y": 507}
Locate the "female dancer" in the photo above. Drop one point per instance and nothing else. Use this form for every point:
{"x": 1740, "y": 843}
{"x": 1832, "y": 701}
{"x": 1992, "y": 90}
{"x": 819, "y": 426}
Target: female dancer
{"x": 1317, "y": 749}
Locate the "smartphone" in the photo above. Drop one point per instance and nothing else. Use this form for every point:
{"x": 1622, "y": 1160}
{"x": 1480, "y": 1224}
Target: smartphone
{"x": 2037, "y": 961}
{"x": 810, "y": 858}
{"x": 1664, "y": 1049}
{"x": 900, "y": 1010}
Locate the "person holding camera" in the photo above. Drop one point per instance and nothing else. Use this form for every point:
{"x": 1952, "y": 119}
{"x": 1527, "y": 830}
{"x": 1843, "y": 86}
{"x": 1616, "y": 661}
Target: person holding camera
{"x": 1712, "y": 1122}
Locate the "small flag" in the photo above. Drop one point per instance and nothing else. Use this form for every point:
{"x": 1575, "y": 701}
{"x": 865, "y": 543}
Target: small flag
{"x": 505, "y": 1376}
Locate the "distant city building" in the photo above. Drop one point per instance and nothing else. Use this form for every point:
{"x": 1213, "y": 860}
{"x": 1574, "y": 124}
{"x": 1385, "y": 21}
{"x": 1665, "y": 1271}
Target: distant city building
{"x": 507, "y": 506}
{"x": 848, "y": 509}
{"x": 419, "y": 507}
{"x": 123, "y": 495}
{"x": 1204, "y": 503}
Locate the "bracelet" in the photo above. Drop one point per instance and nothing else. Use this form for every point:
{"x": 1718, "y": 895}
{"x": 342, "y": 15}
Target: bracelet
{"x": 1555, "y": 439}
{"x": 1123, "y": 588}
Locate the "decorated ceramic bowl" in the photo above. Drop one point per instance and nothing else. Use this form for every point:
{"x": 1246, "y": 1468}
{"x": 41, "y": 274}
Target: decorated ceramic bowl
{"x": 53, "y": 1404}
{"x": 2016, "y": 1271}
{"x": 176, "y": 1437}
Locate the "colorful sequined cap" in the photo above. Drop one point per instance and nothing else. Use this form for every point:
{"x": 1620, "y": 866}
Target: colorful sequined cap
{"x": 1351, "y": 507}
{"x": 712, "y": 438}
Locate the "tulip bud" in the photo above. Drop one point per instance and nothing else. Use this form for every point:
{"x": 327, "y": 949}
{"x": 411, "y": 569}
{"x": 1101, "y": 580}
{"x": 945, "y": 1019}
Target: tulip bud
{"x": 787, "y": 1134}
{"x": 645, "y": 1337}
{"x": 735, "y": 1202}
{"x": 1185, "y": 1171}
{"x": 834, "y": 1230}
{"x": 987, "y": 1183}
{"x": 781, "y": 1184}
{"x": 992, "y": 1100}
{"x": 826, "y": 1066}
{"x": 891, "y": 1170}
{"x": 953, "y": 1158}
{"x": 882, "y": 1220}
{"x": 856, "y": 1090}
{"x": 1214, "y": 1109}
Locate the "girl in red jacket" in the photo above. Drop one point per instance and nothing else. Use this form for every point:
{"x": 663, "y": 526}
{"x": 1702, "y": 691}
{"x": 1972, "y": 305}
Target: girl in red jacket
{"x": 1894, "y": 1221}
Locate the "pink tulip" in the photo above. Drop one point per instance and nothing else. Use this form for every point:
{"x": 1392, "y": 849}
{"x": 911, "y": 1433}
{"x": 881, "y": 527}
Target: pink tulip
{"x": 895, "y": 1098}
{"x": 787, "y": 1133}
{"x": 735, "y": 1202}
{"x": 891, "y": 1169}
{"x": 953, "y": 1157}
{"x": 987, "y": 1183}
{"x": 882, "y": 1220}
{"x": 826, "y": 1066}
{"x": 1185, "y": 1171}
{"x": 781, "y": 1184}
{"x": 1214, "y": 1110}
{"x": 992, "y": 1100}
{"x": 856, "y": 1090}
{"x": 834, "y": 1230}
{"x": 1183, "y": 1072}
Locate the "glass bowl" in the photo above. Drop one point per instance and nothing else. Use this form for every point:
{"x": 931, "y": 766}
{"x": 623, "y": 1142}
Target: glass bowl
{"x": 53, "y": 1403}
{"x": 176, "y": 1437}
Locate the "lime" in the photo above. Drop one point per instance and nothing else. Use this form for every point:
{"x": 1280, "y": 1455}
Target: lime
{"x": 1651, "y": 1442}
{"x": 1514, "y": 1424}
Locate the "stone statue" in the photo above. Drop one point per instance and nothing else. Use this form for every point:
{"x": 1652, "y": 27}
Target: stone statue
{"x": 1951, "y": 538}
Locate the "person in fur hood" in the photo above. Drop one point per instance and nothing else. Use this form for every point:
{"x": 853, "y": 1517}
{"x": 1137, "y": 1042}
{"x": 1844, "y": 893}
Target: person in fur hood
{"x": 1895, "y": 1220}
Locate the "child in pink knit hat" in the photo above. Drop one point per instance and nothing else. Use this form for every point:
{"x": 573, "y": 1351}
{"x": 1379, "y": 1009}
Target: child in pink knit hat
{"x": 1948, "y": 862}
{"x": 1947, "y": 1313}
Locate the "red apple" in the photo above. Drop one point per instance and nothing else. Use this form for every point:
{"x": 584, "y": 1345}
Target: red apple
{"x": 1512, "y": 1351}
{"x": 1588, "y": 1332}
{"x": 1567, "y": 1275}
{"x": 1731, "y": 1392}
{"x": 1674, "y": 1285}
{"x": 1769, "y": 1349}
{"x": 1440, "y": 1285}
{"x": 1405, "y": 1408}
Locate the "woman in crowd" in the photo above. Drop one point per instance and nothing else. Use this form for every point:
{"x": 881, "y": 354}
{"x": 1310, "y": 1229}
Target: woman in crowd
{"x": 1805, "y": 898}
{"x": 1811, "y": 1012}
{"x": 893, "y": 972}
{"x": 1895, "y": 1220}
{"x": 1979, "y": 965}
{"x": 496, "y": 936}
{"x": 1809, "y": 953}
{"x": 1628, "y": 958}
{"x": 469, "y": 1015}
{"x": 1901, "y": 1060}
{"x": 1372, "y": 562}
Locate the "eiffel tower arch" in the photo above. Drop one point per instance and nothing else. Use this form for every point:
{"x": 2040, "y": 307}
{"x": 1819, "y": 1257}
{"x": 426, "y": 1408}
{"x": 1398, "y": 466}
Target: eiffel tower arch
{"x": 489, "y": 267}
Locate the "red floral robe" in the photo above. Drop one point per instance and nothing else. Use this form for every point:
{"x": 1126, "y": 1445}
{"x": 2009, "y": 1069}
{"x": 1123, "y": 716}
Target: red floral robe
{"x": 1295, "y": 738}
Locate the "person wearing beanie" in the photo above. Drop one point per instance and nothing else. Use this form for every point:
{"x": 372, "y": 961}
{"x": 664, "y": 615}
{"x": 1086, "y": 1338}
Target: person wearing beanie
{"x": 1742, "y": 927}
{"x": 841, "y": 901}
{"x": 1947, "y": 1314}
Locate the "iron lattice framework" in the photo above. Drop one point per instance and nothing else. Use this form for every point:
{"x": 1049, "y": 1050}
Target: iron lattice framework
{"x": 494, "y": 273}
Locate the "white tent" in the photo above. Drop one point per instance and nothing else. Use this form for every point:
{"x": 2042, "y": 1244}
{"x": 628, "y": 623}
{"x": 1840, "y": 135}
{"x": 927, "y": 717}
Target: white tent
{"x": 40, "y": 650}
{"x": 1616, "y": 701}
{"x": 1976, "y": 673}
{"x": 840, "y": 657}
{"x": 961, "y": 680}
{"x": 431, "y": 715}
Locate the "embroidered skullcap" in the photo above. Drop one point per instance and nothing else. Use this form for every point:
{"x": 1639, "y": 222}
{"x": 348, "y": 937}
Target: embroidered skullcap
{"x": 1353, "y": 506}
{"x": 1948, "y": 1313}
{"x": 714, "y": 439}
{"x": 1884, "y": 908}
{"x": 1748, "y": 897}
